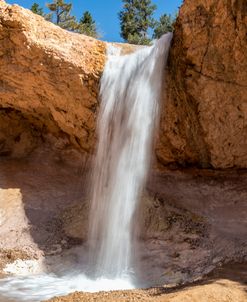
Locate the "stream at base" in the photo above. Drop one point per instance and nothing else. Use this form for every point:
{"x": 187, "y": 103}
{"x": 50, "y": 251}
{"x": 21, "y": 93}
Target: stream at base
{"x": 42, "y": 287}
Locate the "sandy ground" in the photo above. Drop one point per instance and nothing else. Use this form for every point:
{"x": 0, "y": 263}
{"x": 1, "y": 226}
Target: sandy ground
{"x": 226, "y": 284}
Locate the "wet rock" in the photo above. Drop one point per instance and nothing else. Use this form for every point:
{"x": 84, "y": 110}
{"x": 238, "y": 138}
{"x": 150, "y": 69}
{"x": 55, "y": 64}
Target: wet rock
{"x": 75, "y": 221}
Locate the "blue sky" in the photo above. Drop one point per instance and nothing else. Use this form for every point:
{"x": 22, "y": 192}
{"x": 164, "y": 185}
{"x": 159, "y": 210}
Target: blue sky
{"x": 105, "y": 12}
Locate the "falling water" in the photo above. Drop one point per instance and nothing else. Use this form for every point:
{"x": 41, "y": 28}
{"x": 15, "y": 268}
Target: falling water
{"x": 130, "y": 93}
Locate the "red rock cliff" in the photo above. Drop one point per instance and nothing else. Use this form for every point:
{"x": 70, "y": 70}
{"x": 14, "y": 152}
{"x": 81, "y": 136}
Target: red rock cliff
{"x": 49, "y": 84}
{"x": 205, "y": 112}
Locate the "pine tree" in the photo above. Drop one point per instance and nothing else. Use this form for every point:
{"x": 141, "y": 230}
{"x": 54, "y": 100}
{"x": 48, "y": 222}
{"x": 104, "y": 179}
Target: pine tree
{"x": 163, "y": 26}
{"x": 87, "y": 25}
{"x": 127, "y": 19}
{"x": 145, "y": 20}
{"x": 61, "y": 12}
{"x": 136, "y": 19}
{"x": 36, "y": 9}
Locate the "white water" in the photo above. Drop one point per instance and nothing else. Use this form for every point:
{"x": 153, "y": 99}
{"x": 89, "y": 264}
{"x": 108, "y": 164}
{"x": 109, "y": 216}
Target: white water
{"x": 42, "y": 287}
{"x": 130, "y": 93}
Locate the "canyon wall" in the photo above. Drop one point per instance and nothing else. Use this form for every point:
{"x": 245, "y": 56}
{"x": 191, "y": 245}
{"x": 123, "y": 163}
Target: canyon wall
{"x": 49, "y": 84}
{"x": 205, "y": 108}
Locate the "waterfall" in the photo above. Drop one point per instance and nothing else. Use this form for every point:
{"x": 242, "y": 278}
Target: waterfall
{"x": 129, "y": 109}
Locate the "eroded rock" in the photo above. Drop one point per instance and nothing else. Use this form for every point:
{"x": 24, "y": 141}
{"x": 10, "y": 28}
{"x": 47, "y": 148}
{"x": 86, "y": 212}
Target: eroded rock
{"x": 49, "y": 76}
{"x": 204, "y": 119}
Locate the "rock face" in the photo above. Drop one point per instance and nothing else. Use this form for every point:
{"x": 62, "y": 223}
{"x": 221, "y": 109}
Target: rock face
{"x": 48, "y": 82}
{"x": 50, "y": 77}
{"x": 205, "y": 113}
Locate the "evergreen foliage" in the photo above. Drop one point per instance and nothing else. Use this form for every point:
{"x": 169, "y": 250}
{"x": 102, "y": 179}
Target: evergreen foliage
{"x": 87, "y": 25}
{"x": 138, "y": 40}
{"x": 136, "y": 18}
{"x": 61, "y": 12}
{"x": 163, "y": 26}
{"x": 36, "y": 9}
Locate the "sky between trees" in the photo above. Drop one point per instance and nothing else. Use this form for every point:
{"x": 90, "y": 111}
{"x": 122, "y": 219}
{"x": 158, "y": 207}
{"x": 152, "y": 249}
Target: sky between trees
{"x": 105, "y": 13}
